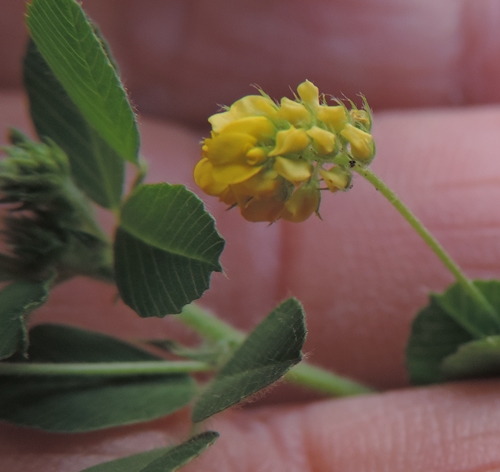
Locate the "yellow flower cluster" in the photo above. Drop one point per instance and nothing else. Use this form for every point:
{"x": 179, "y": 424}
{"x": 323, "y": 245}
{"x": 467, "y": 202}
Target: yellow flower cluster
{"x": 269, "y": 159}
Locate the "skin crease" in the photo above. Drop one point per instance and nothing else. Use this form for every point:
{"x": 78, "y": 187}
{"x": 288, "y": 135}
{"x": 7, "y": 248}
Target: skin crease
{"x": 361, "y": 272}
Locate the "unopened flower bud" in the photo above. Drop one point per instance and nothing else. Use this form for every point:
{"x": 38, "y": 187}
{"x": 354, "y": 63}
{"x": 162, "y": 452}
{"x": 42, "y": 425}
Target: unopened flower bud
{"x": 309, "y": 94}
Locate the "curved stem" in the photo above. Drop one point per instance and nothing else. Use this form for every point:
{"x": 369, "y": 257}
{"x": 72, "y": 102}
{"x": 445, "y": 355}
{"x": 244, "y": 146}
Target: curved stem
{"x": 108, "y": 369}
{"x": 429, "y": 239}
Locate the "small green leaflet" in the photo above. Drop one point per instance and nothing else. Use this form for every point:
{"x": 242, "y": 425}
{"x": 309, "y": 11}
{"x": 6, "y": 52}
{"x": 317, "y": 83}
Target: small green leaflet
{"x": 268, "y": 352}
{"x": 86, "y": 403}
{"x": 448, "y": 338}
{"x": 474, "y": 359}
{"x": 78, "y": 59}
{"x": 160, "y": 460}
{"x": 17, "y": 300}
{"x": 96, "y": 167}
{"x": 165, "y": 249}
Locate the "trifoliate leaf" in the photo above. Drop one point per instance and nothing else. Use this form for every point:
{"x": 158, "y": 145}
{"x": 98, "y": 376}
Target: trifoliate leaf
{"x": 95, "y": 166}
{"x": 451, "y": 320}
{"x": 16, "y": 302}
{"x": 70, "y": 403}
{"x": 269, "y": 351}
{"x": 160, "y": 460}
{"x": 165, "y": 249}
{"x": 69, "y": 45}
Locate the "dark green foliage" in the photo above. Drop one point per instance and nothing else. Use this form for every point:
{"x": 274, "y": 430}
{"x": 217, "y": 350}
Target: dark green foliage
{"x": 449, "y": 339}
{"x": 85, "y": 403}
{"x": 165, "y": 250}
{"x": 269, "y": 351}
{"x": 96, "y": 167}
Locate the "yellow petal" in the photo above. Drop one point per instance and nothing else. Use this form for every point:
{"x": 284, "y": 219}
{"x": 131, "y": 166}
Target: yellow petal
{"x": 362, "y": 146}
{"x": 251, "y": 105}
{"x": 234, "y": 173}
{"x": 290, "y": 141}
{"x": 309, "y": 94}
{"x": 293, "y": 112}
{"x": 301, "y": 205}
{"x": 228, "y": 197}
{"x": 323, "y": 140}
{"x": 336, "y": 178}
{"x": 265, "y": 184}
{"x": 256, "y": 156}
{"x": 262, "y": 210}
{"x": 258, "y": 126}
{"x": 293, "y": 170}
{"x": 334, "y": 117}
{"x": 228, "y": 148}
{"x": 203, "y": 176}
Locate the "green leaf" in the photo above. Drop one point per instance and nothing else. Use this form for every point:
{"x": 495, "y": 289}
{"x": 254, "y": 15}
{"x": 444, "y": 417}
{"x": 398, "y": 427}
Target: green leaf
{"x": 16, "y": 302}
{"x": 464, "y": 310}
{"x": 96, "y": 167}
{"x": 434, "y": 335}
{"x": 165, "y": 249}
{"x": 73, "y": 403}
{"x": 269, "y": 351}
{"x": 160, "y": 460}
{"x": 474, "y": 359}
{"x": 78, "y": 59}
{"x": 182, "y": 454}
{"x": 449, "y": 321}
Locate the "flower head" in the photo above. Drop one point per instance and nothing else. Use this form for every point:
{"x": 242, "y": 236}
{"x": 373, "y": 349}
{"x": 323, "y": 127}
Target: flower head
{"x": 271, "y": 159}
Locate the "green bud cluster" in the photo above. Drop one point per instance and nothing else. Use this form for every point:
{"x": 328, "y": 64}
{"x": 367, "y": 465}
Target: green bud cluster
{"x": 48, "y": 223}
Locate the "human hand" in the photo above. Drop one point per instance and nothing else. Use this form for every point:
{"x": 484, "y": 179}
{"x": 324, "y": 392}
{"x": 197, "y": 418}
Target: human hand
{"x": 361, "y": 274}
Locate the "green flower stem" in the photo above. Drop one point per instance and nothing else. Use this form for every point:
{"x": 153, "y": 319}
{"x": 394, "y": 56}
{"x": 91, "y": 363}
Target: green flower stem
{"x": 324, "y": 381}
{"x": 304, "y": 374}
{"x": 108, "y": 369}
{"x": 429, "y": 239}
{"x": 208, "y": 326}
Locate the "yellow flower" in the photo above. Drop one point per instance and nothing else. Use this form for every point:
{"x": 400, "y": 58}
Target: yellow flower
{"x": 302, "y": 204}
{"x": 293, "y": 112}
{"x": 324, "y": 141}
{"x": 336, "y": 178}
{"x": 251, "y": 105}
{"x": 295, "y": 171}
{"x": 309, "y": 94}
{"x": 361, "y": 142}
{"x": 268, "y": 159}
{"x": 334, "y": 117}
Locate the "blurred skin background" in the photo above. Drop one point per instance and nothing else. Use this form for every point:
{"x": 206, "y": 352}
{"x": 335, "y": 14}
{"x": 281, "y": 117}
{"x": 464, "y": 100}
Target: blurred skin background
{"x": 431, "y": 72}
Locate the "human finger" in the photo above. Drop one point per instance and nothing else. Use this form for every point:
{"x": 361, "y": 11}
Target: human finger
{"x": 439, "y": 429}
